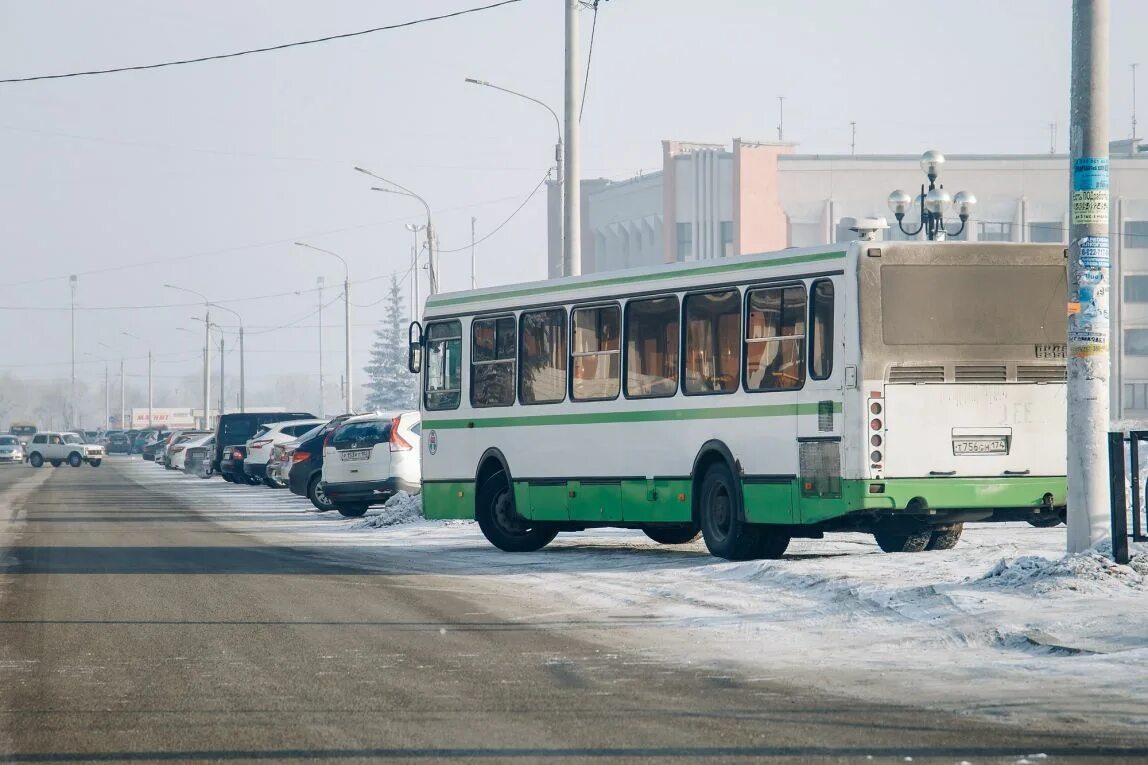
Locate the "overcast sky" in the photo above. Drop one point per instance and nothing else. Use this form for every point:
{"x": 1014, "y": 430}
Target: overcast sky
{"x": 208, "y": 172}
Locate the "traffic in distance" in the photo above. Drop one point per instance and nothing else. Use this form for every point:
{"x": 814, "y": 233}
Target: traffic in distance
{"x": 897, "y": 389}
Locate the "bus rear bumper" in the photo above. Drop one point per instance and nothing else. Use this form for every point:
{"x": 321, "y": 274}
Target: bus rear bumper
{"x": 996, "y": 498}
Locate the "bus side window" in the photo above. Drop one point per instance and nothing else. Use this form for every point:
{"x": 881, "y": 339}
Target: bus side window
{"x": 443, "y": 380}
{"x": 713, "y": 342}
{"x": 821, "y": 330}
{"x": 775, "y": 338}
{"x": 595, "y": 353}
{"x": 652, "y": 342}
{"x": 492, "y": 359}
{"x": 542, "y": 356}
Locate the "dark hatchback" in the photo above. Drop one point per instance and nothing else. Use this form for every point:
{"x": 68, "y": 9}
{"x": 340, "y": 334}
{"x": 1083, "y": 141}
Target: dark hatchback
{"x": 305, "y": 478}
{"x": 119, "y": 443}
{"x": 234, "y": 430}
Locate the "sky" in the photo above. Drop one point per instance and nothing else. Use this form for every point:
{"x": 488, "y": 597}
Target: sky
{"x": 203, "y": 175}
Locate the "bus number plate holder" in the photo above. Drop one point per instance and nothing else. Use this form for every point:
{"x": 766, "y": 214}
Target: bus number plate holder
{"x": 985, "y": 445}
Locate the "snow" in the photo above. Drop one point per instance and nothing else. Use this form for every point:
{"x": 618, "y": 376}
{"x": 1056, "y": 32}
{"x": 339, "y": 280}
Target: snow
{"x": 999, "y": 627}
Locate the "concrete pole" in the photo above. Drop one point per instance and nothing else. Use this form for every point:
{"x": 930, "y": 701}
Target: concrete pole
{"x": 415, "y": 279}
{"x": 242, "y": 376}
{"x": 72, "y": 397}
{"x": 560, "y": 181}
{"x": 432, "y": 258}
{"x": 150, "y": 392}
{"x": 319, "y": 281}
{"x": 348, "y": 396}
{"x": 473, "y": 283}
{"x": 1088, "y": 266}
{"x": 572, "y": 196}
{"x": 123, "y": 399}
{"x": 207, "y": 368}
{"x": 222, "y": 399}
{"x": 107, "y": 399}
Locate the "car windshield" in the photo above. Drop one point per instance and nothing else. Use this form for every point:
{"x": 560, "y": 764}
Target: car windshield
{"x": 72, "y": 438}
{"x": 9, "y": 440}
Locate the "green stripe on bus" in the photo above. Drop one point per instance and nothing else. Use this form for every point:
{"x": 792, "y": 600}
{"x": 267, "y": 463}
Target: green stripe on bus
{"x": 648, "y": 415}
{"x": 741, "y": 265}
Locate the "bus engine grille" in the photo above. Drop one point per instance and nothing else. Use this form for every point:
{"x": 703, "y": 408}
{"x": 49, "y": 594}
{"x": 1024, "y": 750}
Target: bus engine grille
{"x": 820, "y": 465}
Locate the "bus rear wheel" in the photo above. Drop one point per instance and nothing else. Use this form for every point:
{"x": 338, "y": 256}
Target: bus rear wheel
{"x": 500, "y": 522}
{"x": 726, "y": 535}
{"x": 945, "y": 537}
{"x": 1045, "y": 521}
{"x": 901, "y": 540}
{"x": 672, "y": 535}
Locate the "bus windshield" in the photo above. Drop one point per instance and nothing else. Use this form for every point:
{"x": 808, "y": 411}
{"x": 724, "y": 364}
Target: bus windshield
{"x": 930, "y": 305}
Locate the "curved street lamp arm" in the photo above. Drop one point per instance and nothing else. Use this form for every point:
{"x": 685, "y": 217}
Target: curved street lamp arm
{"x": 557, "y": 122}
{"x": 346, "y": 270}
{"x": 403, "y": 188}
{"x": 901, "y": 226}
{"x": 958, "y": 231}
{"x": 206, "y": 301}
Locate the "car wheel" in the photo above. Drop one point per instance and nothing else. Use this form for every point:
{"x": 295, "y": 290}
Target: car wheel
{"x": 352, "y": 511}
{"x": 270, "y": 483}
{"x": 672, "y": 535}
{"x": 56, "y": 463}
{"x": 900, "y": 540}
{"x": 75, "y": 460}
{"x": 317, "y": 496}
{"x": 945, "y": 537}
{"x": 95, "y": 463}
{"x": 500, "y": 522}
{"x": 35, "y": 460}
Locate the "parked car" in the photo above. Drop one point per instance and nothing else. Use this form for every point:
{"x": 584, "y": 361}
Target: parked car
{"x": 179, "y": 450}
{"x": 154, "y": 444}
{"x": 370, "y": 458}
{"x": 58, "y": 448}
{"x": 260, "y": 443}
{"x": 117, "y": 442}
{"x": 197, "y": 458}
{"x": 235, "y": 429}
{"x": 11, "y": 449}
{"x": 176, "y": 442}
{"x": 306, "y": 471}
{"x": 141, "y": 440}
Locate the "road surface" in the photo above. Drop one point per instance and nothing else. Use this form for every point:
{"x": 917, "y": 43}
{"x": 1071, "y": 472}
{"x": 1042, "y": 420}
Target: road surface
{"x": 134, "y": 627}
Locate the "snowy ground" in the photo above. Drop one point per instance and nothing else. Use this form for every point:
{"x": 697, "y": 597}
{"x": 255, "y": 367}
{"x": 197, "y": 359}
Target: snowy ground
{"x": 1002, "y": 626}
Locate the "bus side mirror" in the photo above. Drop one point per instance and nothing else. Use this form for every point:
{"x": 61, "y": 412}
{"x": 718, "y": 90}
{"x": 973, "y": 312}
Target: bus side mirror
{"x": 415, "y": 348}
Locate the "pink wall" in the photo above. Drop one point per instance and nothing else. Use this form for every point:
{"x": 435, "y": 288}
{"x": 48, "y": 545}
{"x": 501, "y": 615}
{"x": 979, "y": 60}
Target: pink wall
{"x": 759, "y": 222}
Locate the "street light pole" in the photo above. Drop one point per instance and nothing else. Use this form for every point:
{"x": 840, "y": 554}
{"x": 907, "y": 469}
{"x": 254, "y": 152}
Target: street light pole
{"x": 431, "y": 255}
{"x": 473, "y": 282}
{"x": 934, "y": 204}
{"x": 558, "y": 162}
{"x": 72, "y": 400}
{"x": 348, "y": 394}
{"x": 150, "y": 387}
{"x": 242, "y": 363}
{"x": 573, "y": 193}
{"x": 319, "y": 282}
{"x": 415, "y": 229}
{"x": 206, "y": 353}
{"x": 123, "y": 397}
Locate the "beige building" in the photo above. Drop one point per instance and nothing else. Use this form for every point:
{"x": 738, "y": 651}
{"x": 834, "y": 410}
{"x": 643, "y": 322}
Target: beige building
{"x": 712, "y": 201}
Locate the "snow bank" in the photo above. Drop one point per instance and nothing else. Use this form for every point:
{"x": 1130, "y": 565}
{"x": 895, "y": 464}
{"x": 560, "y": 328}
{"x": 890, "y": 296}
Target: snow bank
{"x": 1092, "y": 571}
{"x": 401, "y": 508}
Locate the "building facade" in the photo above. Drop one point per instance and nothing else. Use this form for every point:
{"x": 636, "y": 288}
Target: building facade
{"x": 712, "y": 201}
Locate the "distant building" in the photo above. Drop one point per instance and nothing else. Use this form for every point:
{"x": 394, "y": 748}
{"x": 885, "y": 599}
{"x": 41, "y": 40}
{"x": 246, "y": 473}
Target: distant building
{"x": 712, "y": 201}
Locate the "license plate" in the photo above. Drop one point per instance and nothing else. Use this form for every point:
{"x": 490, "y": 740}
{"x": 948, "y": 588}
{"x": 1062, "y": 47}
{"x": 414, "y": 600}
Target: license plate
{"x": 980, "y": 446}
{"x": 1052, "y": 351}
{"x": 357, "y": 454}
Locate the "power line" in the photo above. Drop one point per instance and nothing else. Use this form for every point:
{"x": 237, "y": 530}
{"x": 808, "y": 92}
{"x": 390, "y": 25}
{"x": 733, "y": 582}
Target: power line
{"x": 500, "y": 225}
{"x": 268, "y": 49}
{"x": 589, "y": 58}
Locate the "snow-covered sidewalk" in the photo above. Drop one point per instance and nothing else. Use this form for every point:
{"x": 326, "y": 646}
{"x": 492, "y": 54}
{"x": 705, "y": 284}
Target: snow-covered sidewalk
{"x": 1004, "y": 625}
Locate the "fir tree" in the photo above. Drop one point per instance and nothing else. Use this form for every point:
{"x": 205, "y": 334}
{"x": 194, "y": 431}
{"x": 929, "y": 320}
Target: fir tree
{"x": 390, "y": 386}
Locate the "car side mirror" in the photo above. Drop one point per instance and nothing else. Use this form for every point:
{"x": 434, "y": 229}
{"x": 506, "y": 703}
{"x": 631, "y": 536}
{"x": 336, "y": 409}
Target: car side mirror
{"x": 415, "y": 348}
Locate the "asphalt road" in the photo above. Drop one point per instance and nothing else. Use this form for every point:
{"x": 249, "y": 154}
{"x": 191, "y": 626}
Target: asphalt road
{"x": 133, "y": 628}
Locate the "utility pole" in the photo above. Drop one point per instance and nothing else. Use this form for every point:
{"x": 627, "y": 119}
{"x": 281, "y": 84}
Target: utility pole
{"x": 1052, "y": 138}
{"x": 72, "y": 398}
{"x": 150, "y": 392}
{"x": 432, "y": 259}
{"x": 781, "y": 118}
{"x": 319, "y": 281}
{"x": 242, "y": 378}
{"x": 572, "y": 226}
{"x": 207, "y": 367}
{"x": 1133, "y": 100}
{"x": 123, "y": 399}
{"x": 853, "y": 139}
{"x": 107, "y": 398}
{"x": 1088, "y": 266}
{"x": 222, "y": 358}
{"x": 348, "y": 396}
{"x": 473, "y": 283}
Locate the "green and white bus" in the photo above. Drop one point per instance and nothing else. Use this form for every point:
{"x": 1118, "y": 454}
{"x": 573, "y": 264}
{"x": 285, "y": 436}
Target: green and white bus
{"x": 895, "y": 388}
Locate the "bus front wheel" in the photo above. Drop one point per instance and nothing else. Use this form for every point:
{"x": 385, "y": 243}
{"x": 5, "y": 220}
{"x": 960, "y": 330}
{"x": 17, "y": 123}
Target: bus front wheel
{"x": 500, "y": 522}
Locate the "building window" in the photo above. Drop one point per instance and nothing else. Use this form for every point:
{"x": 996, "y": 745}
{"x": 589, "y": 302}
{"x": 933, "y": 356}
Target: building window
{"x": 492, "y": 343}
{"x": 1048, "y": 232}
{"x": 1136, "y": 342}
{"x": 685, "y": 242}
{"x": 1135, "y": 395}
{"x": 775, "y": 338}
{"x": 727, "y": 239}
{"x": 443, "y": 386}
{"x": 994, "y": 231}
{"x": 713, "y": 342}
{"x": 542, "y": 354}
{"x": 821, "y": 330}
{"x": 1136, "y": 233}
{"x": 596, "y": 353}
{"x": 652, "y": 347}
{"x": 1136, "y": 288}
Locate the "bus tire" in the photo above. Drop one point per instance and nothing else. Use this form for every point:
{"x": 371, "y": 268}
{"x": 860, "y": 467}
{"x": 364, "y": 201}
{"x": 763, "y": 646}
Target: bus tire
{"x": 672, "y": 535}
{"x": 903, "y": 541}
{"x": 726, "y": 535}
{"x": 772, "y": 545}
{"x": 500, "y": 522}
{"x": 945, "y": 537}
{"x": 1045, "y": 521}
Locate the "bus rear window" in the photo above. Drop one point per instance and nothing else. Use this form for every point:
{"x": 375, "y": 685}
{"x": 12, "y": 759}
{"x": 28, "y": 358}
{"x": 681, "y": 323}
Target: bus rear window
{"x": 973, "y": 305}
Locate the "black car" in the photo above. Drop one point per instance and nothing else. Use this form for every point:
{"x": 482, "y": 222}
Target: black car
{"x": 305, "y": 478}
{"x": 118, "y": 443}
{"x": 235, "y": 430}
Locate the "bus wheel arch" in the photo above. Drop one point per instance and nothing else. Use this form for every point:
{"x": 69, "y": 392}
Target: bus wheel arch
{"x": 491, "y": 462}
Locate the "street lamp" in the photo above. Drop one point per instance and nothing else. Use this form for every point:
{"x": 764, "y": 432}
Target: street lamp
{"x": 557, "y": 160}
{"x": 414, "y": 228}
{"x": 430, "y": 224}
{"x": 150, "y": 386}
{"x": 347, "y": 395}
{"x": 242, "y": 364}
{"x": 934, "y": 203}
{"x": 206, "y": 352}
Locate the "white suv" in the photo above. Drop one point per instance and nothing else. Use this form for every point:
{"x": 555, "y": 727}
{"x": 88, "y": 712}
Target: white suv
{"x": 259, "y": 446}
{"x": 369, "y": 458}
{"x": 58, "y": 448}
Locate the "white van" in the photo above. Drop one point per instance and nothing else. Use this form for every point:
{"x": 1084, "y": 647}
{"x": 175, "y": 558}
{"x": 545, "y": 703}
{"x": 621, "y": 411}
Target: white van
{"x": 369, "y": 458}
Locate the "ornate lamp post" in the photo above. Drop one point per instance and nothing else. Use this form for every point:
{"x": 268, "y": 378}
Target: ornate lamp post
{"x": 934, "y": 203}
